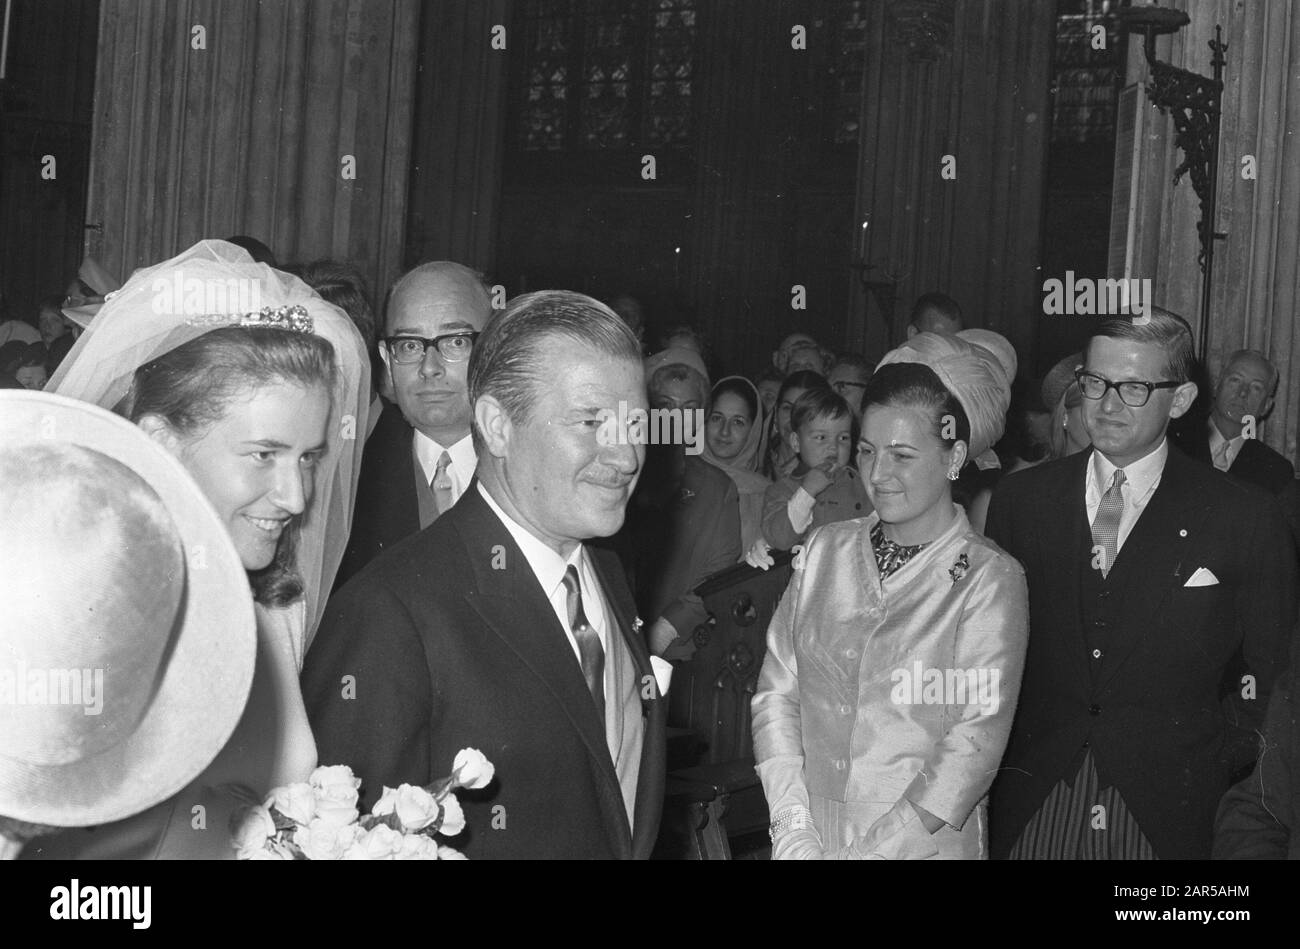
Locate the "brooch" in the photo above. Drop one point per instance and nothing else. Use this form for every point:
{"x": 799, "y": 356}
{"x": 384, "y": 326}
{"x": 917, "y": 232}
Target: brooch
{"x": 637, "y": 624}
{"x": 959, "y": 568}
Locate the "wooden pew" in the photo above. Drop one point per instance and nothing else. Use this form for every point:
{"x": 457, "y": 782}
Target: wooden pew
{"x": 713, "y": 794}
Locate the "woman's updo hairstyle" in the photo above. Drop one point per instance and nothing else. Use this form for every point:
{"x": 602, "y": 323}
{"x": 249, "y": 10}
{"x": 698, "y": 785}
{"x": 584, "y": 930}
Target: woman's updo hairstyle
{"x": 912, "y": 385}
{"x": 190, "y": 387}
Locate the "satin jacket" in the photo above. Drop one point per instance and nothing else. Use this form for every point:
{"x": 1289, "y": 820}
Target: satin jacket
{"x": 874, "y": 691}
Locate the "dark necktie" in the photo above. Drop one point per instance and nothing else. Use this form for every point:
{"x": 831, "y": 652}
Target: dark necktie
{"x": 441, "y": 484}
{"x": 1105, "y": 526}
{"x": 589, "y": 648}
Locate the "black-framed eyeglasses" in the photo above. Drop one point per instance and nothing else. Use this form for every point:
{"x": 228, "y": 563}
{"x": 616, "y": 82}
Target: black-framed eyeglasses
{"x": 453, "y": 347}
{"x": 1134, "y": 394}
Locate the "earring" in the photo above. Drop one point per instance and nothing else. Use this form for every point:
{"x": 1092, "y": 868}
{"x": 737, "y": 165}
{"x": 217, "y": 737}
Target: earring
{"x": 952, "y": 474}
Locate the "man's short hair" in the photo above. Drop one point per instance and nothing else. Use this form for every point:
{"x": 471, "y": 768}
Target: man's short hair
{"x": 853, "y": 361}
{"x": 507, "y": 363}
{"x": 1273, "y": 375}
{"x": 448, "y": 265}
{"x": 940, "y": 303}
{"x": 1162, "y": 327}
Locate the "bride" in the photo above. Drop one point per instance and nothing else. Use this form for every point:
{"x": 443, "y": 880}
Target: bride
{"x": 262, "y": 407}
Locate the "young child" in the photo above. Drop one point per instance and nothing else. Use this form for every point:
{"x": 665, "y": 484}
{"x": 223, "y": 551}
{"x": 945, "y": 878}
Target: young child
{"x": 824, "y": 487}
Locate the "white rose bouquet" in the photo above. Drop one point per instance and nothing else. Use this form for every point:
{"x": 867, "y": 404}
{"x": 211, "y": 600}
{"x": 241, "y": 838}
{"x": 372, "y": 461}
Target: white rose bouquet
{"x": 318, "y": 819}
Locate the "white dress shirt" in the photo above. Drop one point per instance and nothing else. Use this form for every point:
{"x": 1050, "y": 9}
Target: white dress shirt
{"x": 463, "y": 461}
{"x": 1142, "y": 477}
{"x": 549, "y": 568}
{"x": 1223, "y": 451}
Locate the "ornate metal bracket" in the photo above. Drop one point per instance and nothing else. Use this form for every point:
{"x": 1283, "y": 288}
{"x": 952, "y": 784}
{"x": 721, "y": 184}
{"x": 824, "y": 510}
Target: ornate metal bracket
{"x": 1195, "y": 104}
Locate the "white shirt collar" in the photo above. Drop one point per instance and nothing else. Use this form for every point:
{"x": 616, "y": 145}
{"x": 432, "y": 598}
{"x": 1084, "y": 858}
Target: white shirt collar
{"x": 547, "y": 565}
{"x": 463, "y": 459}
{"x": 1218, "y": 439}
{"x": 1140, "y": 476}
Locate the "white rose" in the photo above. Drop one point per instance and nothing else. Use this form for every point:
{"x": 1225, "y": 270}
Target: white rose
{"x": 386, "y": 804}
{"x": 472, "y": 769}
{"x": 453, "y": 818}
{"x": 450, "y": 853}
{"x": 295, "y": 801}
{"x": 416, "y": 808}
{"x": 334, "y": 813}
{"x": 418, "y": 847}
{"x": 336, "y": 783}
{"x": 251, "y": 829}
{"x": 323, "y": 841}
{"x": 380, "y": 842}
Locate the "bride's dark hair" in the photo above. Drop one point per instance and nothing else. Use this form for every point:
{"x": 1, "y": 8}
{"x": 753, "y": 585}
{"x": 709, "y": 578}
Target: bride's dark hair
{"x": 190, "y": 387}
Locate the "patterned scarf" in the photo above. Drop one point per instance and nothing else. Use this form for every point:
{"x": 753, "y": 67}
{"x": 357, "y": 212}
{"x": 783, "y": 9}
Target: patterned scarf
{"x": 891, "y": 557}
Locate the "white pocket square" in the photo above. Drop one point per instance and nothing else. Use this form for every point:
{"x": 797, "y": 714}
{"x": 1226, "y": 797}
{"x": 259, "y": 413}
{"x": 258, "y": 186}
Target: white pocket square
{"x": 663, "y": 671}
{"x": 1202, "y": 578}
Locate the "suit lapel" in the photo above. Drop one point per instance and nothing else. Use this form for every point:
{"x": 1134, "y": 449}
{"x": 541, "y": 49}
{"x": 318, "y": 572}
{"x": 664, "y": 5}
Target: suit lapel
{"x": 395, "y": 479}
{"x": 514, "y": 607}
{"x": 649, "y": 792}
{"x": 1063, "y": 529}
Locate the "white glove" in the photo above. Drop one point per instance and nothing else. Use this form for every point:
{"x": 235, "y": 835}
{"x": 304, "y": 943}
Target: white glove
{"x": 898, "y": 835}
{"x": 759, "y": 555}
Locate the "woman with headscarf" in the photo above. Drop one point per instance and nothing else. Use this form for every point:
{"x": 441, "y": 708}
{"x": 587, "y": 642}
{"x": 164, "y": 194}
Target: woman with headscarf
{"x": 894, "y": 659}
{"x": 733, "y": 441}
{"x": 259, "y": 387}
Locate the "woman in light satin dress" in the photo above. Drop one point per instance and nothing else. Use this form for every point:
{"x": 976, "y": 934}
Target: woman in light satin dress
{"x": 894, "y": 659}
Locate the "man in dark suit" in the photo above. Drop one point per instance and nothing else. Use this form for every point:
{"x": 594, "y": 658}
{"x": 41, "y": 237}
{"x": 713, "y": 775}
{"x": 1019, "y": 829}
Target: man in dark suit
{"x": 420, "y": 458}
{"x": 497, "y": 627}
{"x": 1229, "y": 439}
{"x": 1148, "y": 574}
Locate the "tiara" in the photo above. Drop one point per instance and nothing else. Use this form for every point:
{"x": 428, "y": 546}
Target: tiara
{"x": 294, "y": 318}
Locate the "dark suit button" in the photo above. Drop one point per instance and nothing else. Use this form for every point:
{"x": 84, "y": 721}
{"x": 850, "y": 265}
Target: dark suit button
{"x": 1085, "y": 743}
{"x": 1094, "y": 709}
{"x": 1103, "y": 594}
{"x": 857, "y": 506}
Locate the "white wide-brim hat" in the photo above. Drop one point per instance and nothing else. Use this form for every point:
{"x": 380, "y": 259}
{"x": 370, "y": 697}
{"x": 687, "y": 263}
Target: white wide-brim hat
{"x": 174, "y": 688}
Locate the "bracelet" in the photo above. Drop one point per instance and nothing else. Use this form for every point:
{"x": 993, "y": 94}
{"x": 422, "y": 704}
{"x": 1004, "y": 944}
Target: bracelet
{"x": 797, "y": 817}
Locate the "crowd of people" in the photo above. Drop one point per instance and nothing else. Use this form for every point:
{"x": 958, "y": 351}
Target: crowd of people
{"x": 1036, "y": 619}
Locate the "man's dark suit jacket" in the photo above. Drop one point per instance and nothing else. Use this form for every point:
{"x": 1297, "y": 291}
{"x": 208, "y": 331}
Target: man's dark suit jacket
{"x": 453, "y": 644}
{"x": 1256, "y": 463}
{"x": 1151, "y": 712}
{"x": 386, "y": 509}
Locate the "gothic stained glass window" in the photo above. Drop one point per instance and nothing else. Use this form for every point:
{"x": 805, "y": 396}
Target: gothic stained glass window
{"x": 1085, "y": 71}
{"x": 605, "y": 74}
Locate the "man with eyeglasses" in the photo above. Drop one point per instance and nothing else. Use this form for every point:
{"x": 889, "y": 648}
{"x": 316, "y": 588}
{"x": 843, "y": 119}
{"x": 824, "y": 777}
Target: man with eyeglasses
{"x": 849, "y": 377}
{"x": 420, "y": 458}
{"x": 1162, "y": 598}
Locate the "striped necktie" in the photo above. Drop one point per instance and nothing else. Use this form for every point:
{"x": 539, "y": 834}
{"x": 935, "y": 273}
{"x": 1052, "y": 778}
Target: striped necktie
{"x": 441, "y": 484}
{"x": 589, "y": 649}
{"x": 1105, "y": 526}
